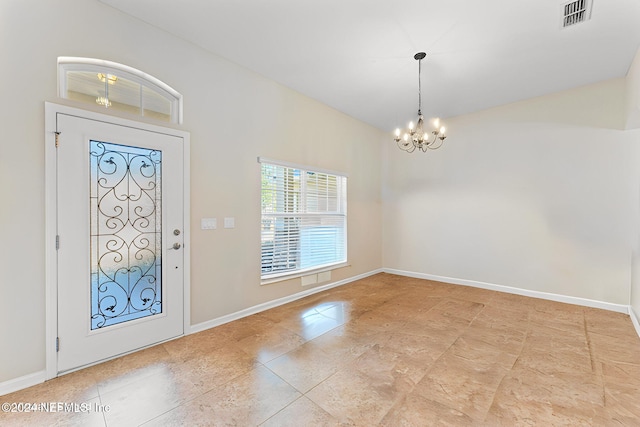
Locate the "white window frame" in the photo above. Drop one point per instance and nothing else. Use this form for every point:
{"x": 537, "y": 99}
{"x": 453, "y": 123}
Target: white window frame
{"x": 299, "y": 272}
{"x": 68, "y": 64}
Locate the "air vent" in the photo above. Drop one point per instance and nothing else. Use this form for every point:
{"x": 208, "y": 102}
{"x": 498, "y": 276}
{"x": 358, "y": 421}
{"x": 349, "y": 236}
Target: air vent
{"x": 576, "y": 12}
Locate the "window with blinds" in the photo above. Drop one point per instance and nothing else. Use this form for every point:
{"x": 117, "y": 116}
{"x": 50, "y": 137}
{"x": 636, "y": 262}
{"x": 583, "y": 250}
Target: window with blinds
{"x": 304, "y": 219}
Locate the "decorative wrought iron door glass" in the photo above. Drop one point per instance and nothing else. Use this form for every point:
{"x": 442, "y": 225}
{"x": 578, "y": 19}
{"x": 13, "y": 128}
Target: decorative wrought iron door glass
{"x": 126, "y": 233}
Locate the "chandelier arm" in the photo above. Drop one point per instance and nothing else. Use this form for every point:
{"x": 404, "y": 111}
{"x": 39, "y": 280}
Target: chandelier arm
{"x": 406, "y": 146}
{"x": 435, "y": 144}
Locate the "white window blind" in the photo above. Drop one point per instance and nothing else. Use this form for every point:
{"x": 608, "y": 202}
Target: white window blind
{"x": 304, "y": 219}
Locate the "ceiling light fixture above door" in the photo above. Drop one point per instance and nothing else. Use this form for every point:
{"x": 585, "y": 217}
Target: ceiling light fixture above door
{"x": 415, "y": 136}
{"x": 107, "y": 79}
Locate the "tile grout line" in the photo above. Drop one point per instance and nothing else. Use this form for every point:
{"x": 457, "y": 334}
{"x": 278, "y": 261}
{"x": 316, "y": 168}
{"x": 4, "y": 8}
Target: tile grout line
{"x": 104, "y": 414}
{"x": 449, "y": 347}
{"x": 593, "y": 359}
{"x": 524, "y": 341}
{"x": 484, "y": 306}
{"x": 285, "y": 406}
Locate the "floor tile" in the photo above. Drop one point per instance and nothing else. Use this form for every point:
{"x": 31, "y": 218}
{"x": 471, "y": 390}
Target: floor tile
{"x": 315, "y": 321}
{"x": 130, "y": 368}
{"x": 147, "y": 398}
{"x": 609, "y": 323}
{"x": 248, "y": 400}
{"x": 438, "y": 325}
{"x": 616, "y": 349}
{"x": 416, "y": 410}
{"x": 477, "y": 295}
{"x": 558, "y": 315}
{"x": 379, "y": 320}
{"x": 507, "y": 338}
{"x": 411, "y": 355}
{"x": 531, "y": 397}
{"x": 550, "y": 351}
{"x": 305, "y": 367}
{"x": 513, "y": 302}
{"x": 353, "y": 397}
{"x": 241, "y": 328}
{"x": 189, "y": 346}
{"x": 270, "y": 343}
{"x": 303, "y": 412}
{"x": 500, "y": 317}
{"x": 460, "y": 381}
{"x": 412, "y": 303}
{"x": 345, "y": 343}
{"x": 456, "y": 308}
{"x": 211, "y": 369}
{"x": 383, "y": 365}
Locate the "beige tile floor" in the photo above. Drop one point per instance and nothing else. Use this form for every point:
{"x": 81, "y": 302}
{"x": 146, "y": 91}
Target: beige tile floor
{"x": 386, "y": 350}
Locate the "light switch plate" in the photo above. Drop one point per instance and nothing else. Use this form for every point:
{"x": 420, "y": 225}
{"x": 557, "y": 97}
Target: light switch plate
{"x": 230, "y": 222}
{"x": 209, "y": 223}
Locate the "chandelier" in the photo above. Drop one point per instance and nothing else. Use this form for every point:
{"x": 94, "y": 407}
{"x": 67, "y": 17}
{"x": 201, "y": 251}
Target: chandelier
{"x": 107, "y": 79}
{"x": 416, "y": 136}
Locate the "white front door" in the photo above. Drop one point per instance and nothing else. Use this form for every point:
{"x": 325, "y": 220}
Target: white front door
{"x": 120, "y": 226}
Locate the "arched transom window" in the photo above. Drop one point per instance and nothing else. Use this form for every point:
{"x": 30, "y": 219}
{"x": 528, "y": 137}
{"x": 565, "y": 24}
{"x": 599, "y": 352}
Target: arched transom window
{"x": 119, "y": 87}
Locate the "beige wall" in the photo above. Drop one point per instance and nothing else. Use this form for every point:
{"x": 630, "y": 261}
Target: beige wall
{"x": 233, "y": 116}
{"x": 539, "y": 195}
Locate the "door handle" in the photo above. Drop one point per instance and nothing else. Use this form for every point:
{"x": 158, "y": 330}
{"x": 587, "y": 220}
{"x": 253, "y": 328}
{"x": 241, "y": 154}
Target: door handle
{"x": 176, "y": 246}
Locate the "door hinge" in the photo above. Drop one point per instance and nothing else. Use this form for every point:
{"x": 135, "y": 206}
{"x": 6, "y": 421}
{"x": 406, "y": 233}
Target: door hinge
{"x": 57, "y": 241}
{"x": 57, "y": 139}
{"x": 57, "y": 344}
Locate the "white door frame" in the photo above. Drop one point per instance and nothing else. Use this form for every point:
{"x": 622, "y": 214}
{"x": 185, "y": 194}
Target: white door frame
{"x": 51, "y": 220}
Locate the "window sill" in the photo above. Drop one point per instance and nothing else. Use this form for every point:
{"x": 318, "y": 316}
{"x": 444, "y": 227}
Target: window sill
{"x": 298, "y": 274}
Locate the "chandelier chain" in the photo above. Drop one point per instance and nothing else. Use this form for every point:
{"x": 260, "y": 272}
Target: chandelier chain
{"x": 419, "y": 86}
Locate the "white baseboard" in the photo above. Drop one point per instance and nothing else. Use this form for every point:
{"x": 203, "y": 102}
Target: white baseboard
{"x": 25, "y": 381}
{"x": 620, "y": 308}
{"x": 634, "y": 319}
{"x": 275, "y": 303}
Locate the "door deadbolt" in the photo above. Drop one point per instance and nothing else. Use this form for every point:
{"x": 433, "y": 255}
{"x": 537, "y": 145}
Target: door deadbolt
{"x": 176, "y": 232}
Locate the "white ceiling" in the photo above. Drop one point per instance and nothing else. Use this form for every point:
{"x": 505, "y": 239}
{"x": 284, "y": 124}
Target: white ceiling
{"x": 357, "y": 55}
